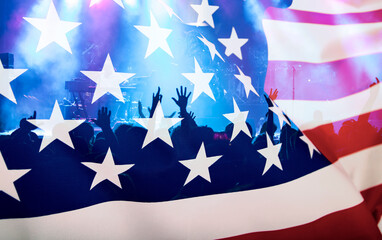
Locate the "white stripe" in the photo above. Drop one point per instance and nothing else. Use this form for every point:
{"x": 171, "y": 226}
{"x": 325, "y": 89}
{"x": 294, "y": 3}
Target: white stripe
{"x": 310, "y": 114}
{"x": 317, "y": 43}
{"x": 291, "y": 204}
{"x": 364, "y": 167}
{"x": 337, "y": 6}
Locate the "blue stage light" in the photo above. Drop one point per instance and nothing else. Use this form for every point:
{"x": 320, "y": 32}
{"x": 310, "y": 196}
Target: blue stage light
{"x": 72, "y": 3}
{"x": 131, "y": 3}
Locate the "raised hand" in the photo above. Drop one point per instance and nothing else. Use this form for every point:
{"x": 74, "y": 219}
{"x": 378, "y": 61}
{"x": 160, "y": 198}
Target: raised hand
{"x": 156, "y": 98}
{"x": 103, "y": 119}
{"x": 182, "y": 98}
{"x": 273, "y": 95}
{"x": 373, "y": 84}
{"x": 140, "y": 110}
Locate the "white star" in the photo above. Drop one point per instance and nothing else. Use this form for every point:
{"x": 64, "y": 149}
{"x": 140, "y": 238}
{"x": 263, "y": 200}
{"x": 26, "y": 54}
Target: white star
{"x": 8, "y": 178}
{"x": 310, "y": 145}
{"x": 6, "y": 77}
{"x": 107, "y": 80}
{"x": 233, "y": 44}
{"x": 271, "y": 153}
{"x": 119, "y": 2}
{"x": 205, "y": 12}
{"x": 169, "y": 10}
{"x": 239, "y": 121}
{"x": 56, "y": 127}
{"x": 276, "y": 110}
{"x": 157, "y": 36}
{"x": 201, "y": 81}
{"x": 211, "y": 48}
{"x": 107, "y": 170}
{"x": 52, "y": 29}
{"x": 157, "y": 126}
{"x": 247, "y": 82}
{"x": 200, "y": 165}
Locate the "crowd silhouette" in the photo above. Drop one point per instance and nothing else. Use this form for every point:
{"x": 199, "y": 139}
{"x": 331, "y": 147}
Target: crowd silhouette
{"x": 157, "y": 174}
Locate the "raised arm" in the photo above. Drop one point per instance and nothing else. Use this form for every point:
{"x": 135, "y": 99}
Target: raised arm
{"x": 270, "y": 125}
{"x": 182, "y": 102}
{"x": 103, "y": 121}
{"x": 156, "y": 98}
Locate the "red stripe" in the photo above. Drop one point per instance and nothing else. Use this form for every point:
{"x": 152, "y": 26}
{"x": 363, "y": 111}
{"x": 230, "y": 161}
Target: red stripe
{"x": 353, "y": 223}
{"x": 326, "y": 81}
{"x": 373, "y": 200}
{"x": 354, "y": 134}
{"x": 290, "y": 15}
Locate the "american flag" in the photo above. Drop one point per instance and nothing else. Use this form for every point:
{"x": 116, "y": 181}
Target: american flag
{"x": 318, "y": 177}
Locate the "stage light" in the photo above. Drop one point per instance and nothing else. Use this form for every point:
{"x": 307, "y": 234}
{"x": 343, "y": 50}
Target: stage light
{"x": 72, "y": 3}
{"x": 131, "y": 3}
{"x": 93, "y": 2}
